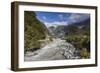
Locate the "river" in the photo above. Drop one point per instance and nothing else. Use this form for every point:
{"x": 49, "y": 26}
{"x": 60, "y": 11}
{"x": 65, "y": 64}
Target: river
{"x": 58, "y": 49}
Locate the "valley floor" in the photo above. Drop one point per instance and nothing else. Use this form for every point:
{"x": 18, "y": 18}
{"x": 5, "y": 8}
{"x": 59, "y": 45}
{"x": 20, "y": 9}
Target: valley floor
{"x": 56, "y": 50}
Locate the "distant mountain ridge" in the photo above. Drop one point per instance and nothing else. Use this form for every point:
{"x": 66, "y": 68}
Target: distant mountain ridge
{"x": 85, "y": 22}
{"x": 74, "y": 28}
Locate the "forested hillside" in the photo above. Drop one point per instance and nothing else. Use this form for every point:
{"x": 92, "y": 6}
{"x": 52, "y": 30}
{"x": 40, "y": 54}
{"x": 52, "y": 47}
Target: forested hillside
{"x": 34, "y": 30}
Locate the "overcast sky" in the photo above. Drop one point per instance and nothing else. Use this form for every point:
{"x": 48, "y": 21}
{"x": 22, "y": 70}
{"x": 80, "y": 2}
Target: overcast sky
{"x": 56, "y": 18}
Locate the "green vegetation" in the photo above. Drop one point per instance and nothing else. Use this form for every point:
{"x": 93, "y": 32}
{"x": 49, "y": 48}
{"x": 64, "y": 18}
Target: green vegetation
{"x": 80, "y": 38}
{"x": 84, "y": 53}
{"x": 79, "y": 41}
{"x": 34, "y": 31}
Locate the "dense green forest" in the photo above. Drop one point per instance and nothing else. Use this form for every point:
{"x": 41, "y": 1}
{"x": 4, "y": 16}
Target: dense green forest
{"x": 34, "y": 30}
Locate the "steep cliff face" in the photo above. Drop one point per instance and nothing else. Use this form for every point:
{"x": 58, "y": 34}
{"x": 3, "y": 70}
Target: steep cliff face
{"x": 34, "y": 30}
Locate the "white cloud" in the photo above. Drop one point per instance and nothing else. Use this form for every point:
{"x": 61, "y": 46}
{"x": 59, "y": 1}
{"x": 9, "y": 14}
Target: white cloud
{"x": 56, "y": 23}
{"x": 44, "y": 17}
{"x": 60, "y": 16}
{"x": 78, "y": 17}
{"x": 75, "y": 16}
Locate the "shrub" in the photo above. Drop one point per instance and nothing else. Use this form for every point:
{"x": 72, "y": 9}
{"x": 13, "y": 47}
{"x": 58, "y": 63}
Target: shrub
{"x": 84, "y": 53}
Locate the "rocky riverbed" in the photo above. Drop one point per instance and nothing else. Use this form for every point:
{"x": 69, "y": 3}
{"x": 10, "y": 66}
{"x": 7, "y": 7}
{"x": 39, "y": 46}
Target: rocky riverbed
{"x": 56, "y": 50}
